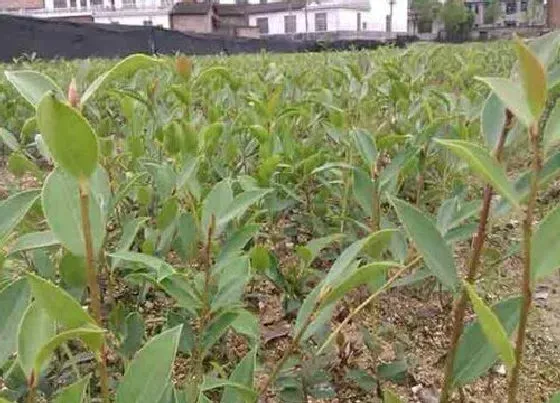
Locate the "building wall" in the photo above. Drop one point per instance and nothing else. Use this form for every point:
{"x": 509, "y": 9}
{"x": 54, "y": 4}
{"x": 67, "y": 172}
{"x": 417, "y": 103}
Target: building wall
{"x": 338, "y": 19}
{"x": 138, "y": 19}
{"x": 18, "y": 4}
{"x": 75, "y": 18}
{"x": 554, "y": 15}
{"x": 535, "y": 14}
{"x": 191, "y": 23}
{"x": 380, "y": 9}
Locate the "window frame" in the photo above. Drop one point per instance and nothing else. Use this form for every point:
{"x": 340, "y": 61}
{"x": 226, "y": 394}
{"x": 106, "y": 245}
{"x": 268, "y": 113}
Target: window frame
{"x": 288, "y": 20}
{"x": 326, "y": 25}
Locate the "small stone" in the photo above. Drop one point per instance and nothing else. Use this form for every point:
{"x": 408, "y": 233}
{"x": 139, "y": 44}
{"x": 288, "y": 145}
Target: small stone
{"x": 289, "y": 245}
{"x": 149, "y": 305}
{"x": 500, "y": 369}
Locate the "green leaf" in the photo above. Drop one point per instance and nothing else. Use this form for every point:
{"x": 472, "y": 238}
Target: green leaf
{"x": 239, "y": 206}
{"x": 545, "y": 246}
{"x": 14, "y": 299}
{"x": 216, "y": 329}
{"x": 247, "y": 324}
{"x": 363, "y": 190}
{"x": 475, "y": 355}
{"x": 33, "y": 85}
{"x": 61, "y": 205}
{"x": 73, "y": 271}
{"x": 129, "y": 231}
{"x": 393, "y": 371}
{"x": 71, "y": 140}
{"x": 167, "y": 214}
{"x": 486, "y": 166}
{"x": 186, "y": 243}
{"x": 363, "y": 275}
{"x": 362, "y": 378}
{"x": 365, "y": 144}
{"x": 233, "y": 276}
{"x": 260, "y": 259}
{"x": 147, "y": 376}
{"x": 216, "y": 202}
{"x": 37, "y": 327}
{"x": 124, "y": 68}
{"x": 135, "y": 329}
{"x": 431, "y": 245}
{"x": 34, "y": 240}
{"x": 9, "y": 139}
{"x": 237, "y": 241}
{"x": 546, "y": 47}
{"x": 92, "y": 336}
{"x": 492, "y": 328}
{"x": 209, "y": 383}
{"x": 181, "y": 288}
{"x": 533, "y": 77}
{"x": 555, "y": 398}
{"x": 161, "y": 268}
{"x": 551, "y": 134}
{"x": 13, "y": 209}
{"x": 512, "y": 95}
{"x": 390, "y": 397}
{"x": 59, "y": 304}
{"x": 243, "y": 374}
{"x": 492, "y": 120}
{"x": 75, "y": 393}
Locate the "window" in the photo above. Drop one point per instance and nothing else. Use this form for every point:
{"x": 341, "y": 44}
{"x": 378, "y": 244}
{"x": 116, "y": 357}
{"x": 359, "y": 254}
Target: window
{"x": 96, "y": 3}
{"x": 83, "y": 3}
{"x": 148, "y": 22}
{"x": 320, "y": 22}
{"x": 359, "y": 22}
{"x": 476, "y": 9}
{"x": 364, "y": 26}
{"x": 262, "y": 1}
{"x": 524, "y": 6}
{"x": 511, "y": 8}
{"x": 128, "y": 3}
{"x": 289, "y": 24}
{"x": 262, "y": 23}
{"x": 60, "y": 4}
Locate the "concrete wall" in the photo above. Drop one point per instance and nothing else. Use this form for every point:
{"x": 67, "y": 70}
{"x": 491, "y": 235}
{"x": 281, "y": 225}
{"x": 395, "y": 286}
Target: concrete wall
{"x": 554, "y": 14}
{"x": 156, "y": 20}
{"x": 191, "y": 23}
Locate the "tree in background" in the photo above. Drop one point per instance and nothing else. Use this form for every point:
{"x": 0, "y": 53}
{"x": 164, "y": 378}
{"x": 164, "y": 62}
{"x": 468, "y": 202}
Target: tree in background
{"x": 426, "y": 12}
{"x": 493, "y": 11}
{"x": 457, "y": 19}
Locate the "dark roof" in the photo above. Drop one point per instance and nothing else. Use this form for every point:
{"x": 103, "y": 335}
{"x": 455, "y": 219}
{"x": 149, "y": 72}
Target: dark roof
{"x": 236, "y": 9}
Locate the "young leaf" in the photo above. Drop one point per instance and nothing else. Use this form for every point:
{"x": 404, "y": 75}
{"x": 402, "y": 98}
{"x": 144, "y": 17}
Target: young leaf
{"x": 161, "y": 268}
{"x": 124, "y": 68}
{"x": 431, "y": 245}
{"x": 492, "y": 120}
{"x": 390, "y": 397}
{"x": 9, "y": 139}
{"x": 482, "y": 163}
{"x": 135, "y": 329}
{"x": 14, "y": 299}
{"x": 33, "y": 85}
{"x": 533, "y": 77}
{"x": 248, "y": 395}
{"x": 237, "y": 241}
{"x": 13, "y": 209}
{"x": 243, "y": 374}
{"x": 181, "y": 288}
{"x": 545, "y": 246}
{"x": 366, "y": 146}
{"x": 238, "y": 206}
{"x": 61, "y": 205}
{"x": 147, "y": 376}
{"x": 512, "y": 95}
{"x": 75, "y": 393}
{"x": 555, "y": 398}
{"x": 475, "y": 355}
{"x": 551, "y": 135}
{"x": 363, "y": 275}
{"x": 216, "y": 202}
{"x": 492, "y": 328}
{"x": 71, "y": 140}
{"x": 35, "y": 330}
{"x": 129, "y": 231}
{"x": 363, "y": 190}
{"x": 59, "y": 304}
{"x": 34, "y": 240}
{"x": 216, "y": 329}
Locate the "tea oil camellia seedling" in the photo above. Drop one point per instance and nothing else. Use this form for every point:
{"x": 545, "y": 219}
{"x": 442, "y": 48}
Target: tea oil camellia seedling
{"x": 359, "y": 226}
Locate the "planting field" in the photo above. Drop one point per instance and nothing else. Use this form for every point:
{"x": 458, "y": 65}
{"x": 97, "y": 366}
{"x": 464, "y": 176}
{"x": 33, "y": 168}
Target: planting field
{"x": 334, "y": 227}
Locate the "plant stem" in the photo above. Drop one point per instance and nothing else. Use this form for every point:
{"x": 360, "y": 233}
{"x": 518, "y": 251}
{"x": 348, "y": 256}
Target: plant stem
{"x": 93, "y": 285}
{"x": 205, "y": 312}
{"x": 291, "y": 347}
{"x": 474, "y": 261}
{"x": 421, "y": 175}
{"x": 367, "y": 302}
{"x": 31, "y": 393}
{"x": 526, "y": 280}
